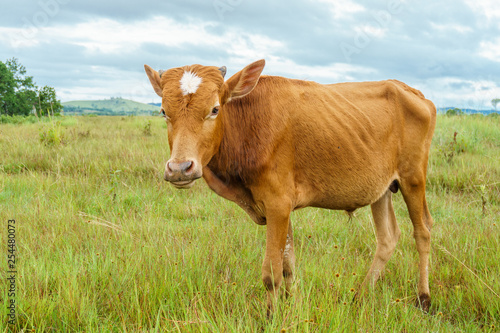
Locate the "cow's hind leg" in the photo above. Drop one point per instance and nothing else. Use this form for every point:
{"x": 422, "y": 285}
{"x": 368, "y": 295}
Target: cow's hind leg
{"x": 288, "y": 260}
{"x": 413, "y": 189}
{"x": 387, "y": 232}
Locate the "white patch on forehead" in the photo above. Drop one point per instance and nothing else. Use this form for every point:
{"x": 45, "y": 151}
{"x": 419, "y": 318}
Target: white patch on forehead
{"x": 190, "y": 83}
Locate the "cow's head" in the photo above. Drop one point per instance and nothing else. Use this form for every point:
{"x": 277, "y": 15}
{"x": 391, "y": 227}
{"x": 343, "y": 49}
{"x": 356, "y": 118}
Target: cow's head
{"x": 192, "y": 98}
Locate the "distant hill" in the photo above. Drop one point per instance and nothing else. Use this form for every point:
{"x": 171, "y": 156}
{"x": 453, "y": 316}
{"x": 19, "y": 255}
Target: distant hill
{"x": 465, "y": 110}
{"x": 110, "y": 107}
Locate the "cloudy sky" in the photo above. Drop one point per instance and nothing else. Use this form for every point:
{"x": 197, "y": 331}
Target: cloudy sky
{"x": 95, "y": 49}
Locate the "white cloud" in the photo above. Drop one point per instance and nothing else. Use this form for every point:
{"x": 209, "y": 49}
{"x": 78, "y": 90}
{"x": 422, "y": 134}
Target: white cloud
{"x": 448, "y": 28}
{"x": 110, "y": 83}
{"x": 371, "y": 31}
{"x": 452, "y": 91}
{"x": 490, "y": 50}
{"x": 333, "y": 73}
{"x": 488, "y": 8}
{"x": 16, "y": 38}
{"x": 107, "y": 36}
{"x": 342, "y": 9}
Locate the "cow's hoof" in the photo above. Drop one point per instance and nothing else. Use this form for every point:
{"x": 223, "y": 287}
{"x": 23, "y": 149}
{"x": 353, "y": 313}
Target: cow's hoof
{"x": 424, "y": 302}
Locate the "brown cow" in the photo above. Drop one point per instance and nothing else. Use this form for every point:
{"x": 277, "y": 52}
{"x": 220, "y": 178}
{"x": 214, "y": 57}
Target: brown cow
{"x": 273, "y": 145}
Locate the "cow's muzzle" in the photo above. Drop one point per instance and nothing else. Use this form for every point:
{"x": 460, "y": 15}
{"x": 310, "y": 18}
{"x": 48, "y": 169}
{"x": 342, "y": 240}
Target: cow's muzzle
{"x": 182, "y": 174}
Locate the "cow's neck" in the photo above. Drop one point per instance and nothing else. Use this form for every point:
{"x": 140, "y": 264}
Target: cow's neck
{"x": 245, "y": 144}
{"x": 247, "y": 137}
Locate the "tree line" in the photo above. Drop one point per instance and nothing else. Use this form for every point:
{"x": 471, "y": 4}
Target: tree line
{"x": 19, "y": 94}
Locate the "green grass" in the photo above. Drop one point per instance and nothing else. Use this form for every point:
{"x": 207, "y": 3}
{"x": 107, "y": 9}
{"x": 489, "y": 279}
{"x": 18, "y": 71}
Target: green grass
{"x": 105, "y": 245}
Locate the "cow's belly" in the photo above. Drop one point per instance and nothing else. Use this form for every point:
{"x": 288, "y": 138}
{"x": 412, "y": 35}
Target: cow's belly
{"x": 341, "y": 199}
{"x": 345, "y": 189}
{"x": 345, "y": 167}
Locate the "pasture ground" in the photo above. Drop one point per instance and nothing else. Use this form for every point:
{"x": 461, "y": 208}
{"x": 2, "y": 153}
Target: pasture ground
{"x": 105, "y": 245}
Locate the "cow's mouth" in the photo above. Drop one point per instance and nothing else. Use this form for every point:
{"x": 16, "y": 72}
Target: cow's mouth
{"x": 184, "y": 184}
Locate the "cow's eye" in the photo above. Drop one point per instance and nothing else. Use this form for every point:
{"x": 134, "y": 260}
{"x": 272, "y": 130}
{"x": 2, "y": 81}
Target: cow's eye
{"x": 213, "y": 114}
{"x": 164, "y": 114}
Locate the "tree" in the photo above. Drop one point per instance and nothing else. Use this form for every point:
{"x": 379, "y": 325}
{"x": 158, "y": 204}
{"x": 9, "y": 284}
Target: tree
{"x": 7, "y": 84}
{"x": 454, "y": 112}
{"x": 22, "y": 80}
{"x": 25, "y": 89}
{"x": 19, "y": 93}
{"x": 494, "y": 102}
{"x": 47, "y": 101}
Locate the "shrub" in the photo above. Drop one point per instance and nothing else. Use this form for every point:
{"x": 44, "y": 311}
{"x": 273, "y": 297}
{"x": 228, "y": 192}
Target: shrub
{"x": 17, "y": 119}
{"x": 454, "y": 112}
{"x": 52, "y": 134}
{"x": 452, "y": 148}
{"x": 146, "y": 129}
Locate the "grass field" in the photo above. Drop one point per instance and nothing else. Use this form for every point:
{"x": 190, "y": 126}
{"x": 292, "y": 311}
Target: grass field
{"x": 105, "y": 245}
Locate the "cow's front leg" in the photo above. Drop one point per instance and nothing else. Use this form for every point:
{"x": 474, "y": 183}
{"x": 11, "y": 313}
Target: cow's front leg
{"x": 276, "y": 238}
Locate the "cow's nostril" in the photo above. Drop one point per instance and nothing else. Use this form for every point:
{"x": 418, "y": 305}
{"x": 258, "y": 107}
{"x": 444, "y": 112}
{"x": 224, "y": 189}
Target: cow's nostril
{"x": 169, "y": 169}
{"x": 186, "y": 167}
{"x": 190, "y": 166}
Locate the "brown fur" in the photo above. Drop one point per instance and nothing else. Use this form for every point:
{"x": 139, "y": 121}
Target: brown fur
{"x": 280, "y": 144}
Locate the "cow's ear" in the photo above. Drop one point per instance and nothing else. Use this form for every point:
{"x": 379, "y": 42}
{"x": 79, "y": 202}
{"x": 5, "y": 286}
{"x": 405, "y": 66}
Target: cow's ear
{"x": 243, "y": 82}
{"x": 154, "y": 78}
